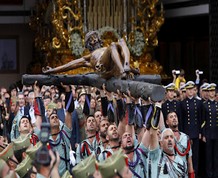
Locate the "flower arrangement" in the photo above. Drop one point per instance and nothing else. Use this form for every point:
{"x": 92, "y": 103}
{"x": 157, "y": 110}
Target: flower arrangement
{"x": 109, "y": 32}
{"x": 76, "y": 44}
{"x": 136, "y": 43}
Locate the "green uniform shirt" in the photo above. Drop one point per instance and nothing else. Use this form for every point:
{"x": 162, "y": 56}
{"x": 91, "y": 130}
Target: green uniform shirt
{"x": 62, "y": 146}
{"x": 159, "y": 165}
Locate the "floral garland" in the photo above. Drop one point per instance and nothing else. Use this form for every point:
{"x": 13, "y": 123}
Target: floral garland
{"x": 136, "y": 43}
{"x": 76, "y": 44}
{"x": 108, "y": 32}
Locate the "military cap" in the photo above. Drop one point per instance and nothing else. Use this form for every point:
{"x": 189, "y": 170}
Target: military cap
{"x": 24, "y": 166}
{"x": 182, "y": 88}
{"x": 52, "y": 105}
{"x": 67, "y": 175}
{"x": 23, "y": 141}
{"x": 189, "y": 84}
{"x": 211, "y": 87}
{"x": 8, "y": 152}
{"x": 204, "y": 86}
{"x": 83, "y": 92}
{"x": 32, "y": 151}
{"x": 113, "y": 164}
{"x": 85, "y": 168}
{"x": 170, "y": 86}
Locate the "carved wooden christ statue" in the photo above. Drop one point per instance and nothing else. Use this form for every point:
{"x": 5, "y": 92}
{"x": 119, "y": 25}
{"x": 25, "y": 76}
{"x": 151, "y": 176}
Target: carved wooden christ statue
{"x": 112, "y": 61}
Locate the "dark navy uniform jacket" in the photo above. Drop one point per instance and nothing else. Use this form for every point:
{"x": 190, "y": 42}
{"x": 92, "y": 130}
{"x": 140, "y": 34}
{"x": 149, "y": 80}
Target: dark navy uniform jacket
{"x": 210, "y": 119}
{"x": 169, "y": 106}
{"x": 191, "y": 110}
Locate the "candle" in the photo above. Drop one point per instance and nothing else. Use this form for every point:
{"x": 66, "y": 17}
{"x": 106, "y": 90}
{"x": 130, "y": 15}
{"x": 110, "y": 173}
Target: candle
{"x": 161, "y": 7}
{"x": 124, "y": 16}
{"x": 85, "y": 29}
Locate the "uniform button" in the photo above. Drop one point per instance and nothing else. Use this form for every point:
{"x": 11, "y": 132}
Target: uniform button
{"x": 188, "y": 123}
{"x": 210, "y": 120}
{"x": 188, "y": 119}
{"x": 188, "y": 115}
{"x": 210, "y": 125}
{"x": 187, "y": 111}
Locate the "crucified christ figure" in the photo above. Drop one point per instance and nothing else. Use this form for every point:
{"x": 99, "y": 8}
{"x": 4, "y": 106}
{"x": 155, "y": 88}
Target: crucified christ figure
{"x": 112, "y": 61}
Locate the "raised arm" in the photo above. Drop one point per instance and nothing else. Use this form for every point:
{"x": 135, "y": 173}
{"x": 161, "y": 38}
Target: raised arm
{"x": 154, "y": 129}
{"x": 69, "y": 105}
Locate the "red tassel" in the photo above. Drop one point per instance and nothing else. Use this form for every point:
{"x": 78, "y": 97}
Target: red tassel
{"x": 127, "y": 116}
{"x": 34, "y": 139}
{"x": 126, "y": 161}
{"x": 186, "y": 151}
{"x": 85, "y": 147}
{"x": 191, "y": 175}
{"x": 97, "y": 137}
{"x": 48, "y": 146}
{"x": 108, "y": 154}
{"x": 96, "y": 166}
{"x": 36, "y": 108}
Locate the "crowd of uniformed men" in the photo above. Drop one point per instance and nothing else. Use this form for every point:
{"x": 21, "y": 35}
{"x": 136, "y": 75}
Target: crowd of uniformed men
{"x": 96, "y": 133}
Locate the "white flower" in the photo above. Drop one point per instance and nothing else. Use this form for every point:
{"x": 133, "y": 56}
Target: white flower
{"x": 137, "y": 48}
{"x": 76, "y": 44}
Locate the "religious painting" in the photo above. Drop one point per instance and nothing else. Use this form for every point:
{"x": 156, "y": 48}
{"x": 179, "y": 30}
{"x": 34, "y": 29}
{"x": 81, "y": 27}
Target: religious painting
{"x": 9, "y": 55}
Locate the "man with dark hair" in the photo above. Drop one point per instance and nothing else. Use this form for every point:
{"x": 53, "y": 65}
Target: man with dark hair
{"x": 113, "y": 139}
{"x": 22, "y": 110}
{"x": 108, "y": 61}
{"x": 191, "y": 109}
{"x": 103, "y": 126}
{"x": 90, "y": 144}
{"x": 137, "y": 155}
{"x": 170, "y": 103}
{"x": 210, "y": 131}
{"x": 182, "y": 141}
{"x": 59, "y": 139}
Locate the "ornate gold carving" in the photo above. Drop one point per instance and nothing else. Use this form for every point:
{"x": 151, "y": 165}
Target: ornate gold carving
{"x": 60, "y": 27}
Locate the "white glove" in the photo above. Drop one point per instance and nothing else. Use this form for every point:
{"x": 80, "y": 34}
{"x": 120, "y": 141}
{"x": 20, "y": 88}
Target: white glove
{"x": 72, "y": 158}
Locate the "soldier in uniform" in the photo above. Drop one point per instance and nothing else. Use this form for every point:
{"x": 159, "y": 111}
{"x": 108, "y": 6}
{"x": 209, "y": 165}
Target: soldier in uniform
{"x": 137, "y": 156}
{"x": 171, "y": 104}
{"x": 204, "y": 92}
{"x": 182, "y": 142}
{"x": 113, "y": 142}
{"x": 191, "y": 109}
{"x": 90, "y": 144}
{"x": 104, "y": 123}
{"x": 59, "y": 138}
{"x": 210, "y": 131}
{"x": 162, "y": 160}
{"x": 182, "y": 92}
